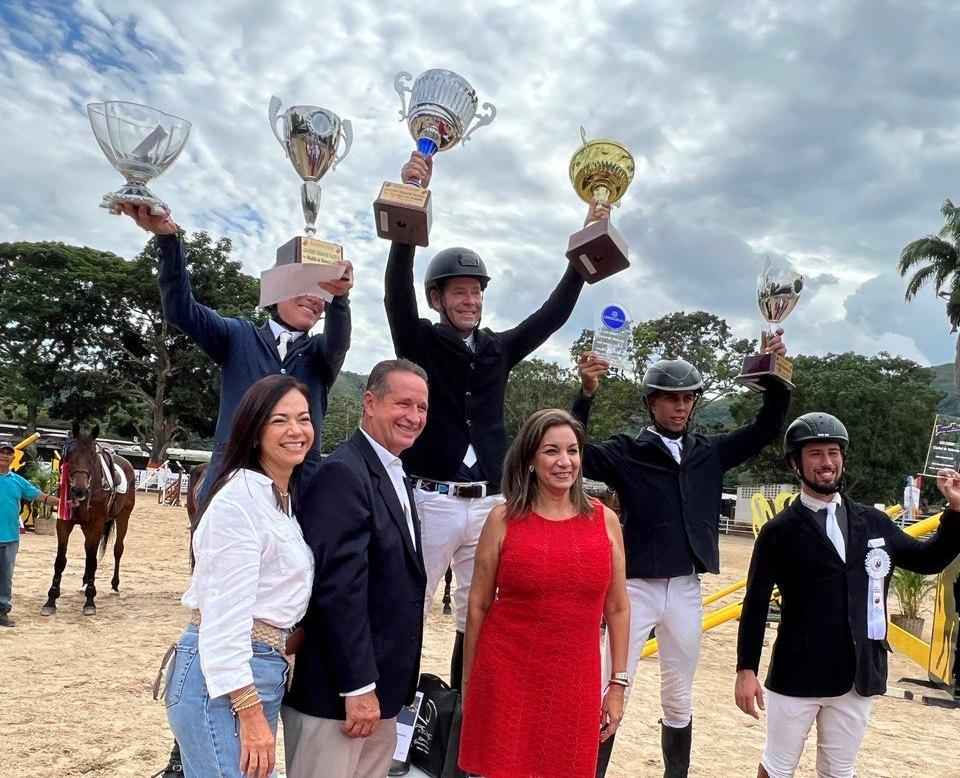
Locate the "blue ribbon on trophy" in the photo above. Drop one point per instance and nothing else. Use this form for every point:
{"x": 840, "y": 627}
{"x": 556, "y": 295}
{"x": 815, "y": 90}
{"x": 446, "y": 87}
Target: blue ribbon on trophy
{"x": 613, "y": 335}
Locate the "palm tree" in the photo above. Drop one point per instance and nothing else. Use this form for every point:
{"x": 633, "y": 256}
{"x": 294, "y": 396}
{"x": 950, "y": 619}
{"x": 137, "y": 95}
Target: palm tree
{"x": 937, "y": 258}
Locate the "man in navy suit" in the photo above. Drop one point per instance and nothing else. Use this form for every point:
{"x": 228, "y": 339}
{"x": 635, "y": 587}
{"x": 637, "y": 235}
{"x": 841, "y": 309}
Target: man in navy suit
{"x": 360, "y": 661}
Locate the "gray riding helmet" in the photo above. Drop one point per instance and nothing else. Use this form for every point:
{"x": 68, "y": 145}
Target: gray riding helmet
{"x": 671, "y": 375}
{"x": 455, "y": 262}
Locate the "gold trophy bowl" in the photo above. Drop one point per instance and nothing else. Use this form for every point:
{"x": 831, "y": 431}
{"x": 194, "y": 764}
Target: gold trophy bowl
{"x": 600, "y": 171}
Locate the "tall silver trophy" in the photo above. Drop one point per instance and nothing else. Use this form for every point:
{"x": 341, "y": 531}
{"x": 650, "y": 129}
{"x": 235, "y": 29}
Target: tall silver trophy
{"x": 442, "y": 107}
{"x": 778, "y": 290}
{"x": 141, "y": 143}
{"x": 311, "y": 137}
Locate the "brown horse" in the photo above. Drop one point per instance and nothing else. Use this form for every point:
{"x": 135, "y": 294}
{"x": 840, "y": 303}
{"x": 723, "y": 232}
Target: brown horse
{"x": 98, "y": 509}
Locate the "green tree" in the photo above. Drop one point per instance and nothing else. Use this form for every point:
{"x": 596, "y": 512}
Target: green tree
{"x": 701, "y": 338}
{"x": 936, "y": 258}
{"x": 535, "y": 384}
{"x": 886, "y": 404}
{"x": 341, "y": 420}
{"x": 56, "y": 309}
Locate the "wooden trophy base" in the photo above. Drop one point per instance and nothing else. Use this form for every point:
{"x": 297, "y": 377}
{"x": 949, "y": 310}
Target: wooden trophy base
{"x": 403, "y": 213}
{"x": 304, "y": 249}
{"x": 598, "y": 251}
{"x": 760, "y": 368}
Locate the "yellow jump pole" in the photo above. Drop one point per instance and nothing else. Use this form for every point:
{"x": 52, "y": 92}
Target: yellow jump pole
{"x": 724, "y": 592}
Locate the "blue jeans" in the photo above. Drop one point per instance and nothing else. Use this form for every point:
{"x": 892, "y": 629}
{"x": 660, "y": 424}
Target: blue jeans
{"x": 8, "y": 554}
{"x": 206, "y": 728}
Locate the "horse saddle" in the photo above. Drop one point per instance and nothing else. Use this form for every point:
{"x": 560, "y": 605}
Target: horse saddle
{"x": 114, "y": 477}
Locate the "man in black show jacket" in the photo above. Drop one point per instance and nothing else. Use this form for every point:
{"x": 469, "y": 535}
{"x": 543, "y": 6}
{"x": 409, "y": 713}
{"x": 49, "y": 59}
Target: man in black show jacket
{"x": 669, "y": 482}
{"x": 832, "y": 560}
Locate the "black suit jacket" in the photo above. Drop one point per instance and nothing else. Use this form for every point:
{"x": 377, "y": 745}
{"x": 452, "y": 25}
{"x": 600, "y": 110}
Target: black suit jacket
{"x": 364, "y": 623}
{"x": 671, "y": 512}
{"x": 467, "y": 388}
{"x": 822, "y": 648}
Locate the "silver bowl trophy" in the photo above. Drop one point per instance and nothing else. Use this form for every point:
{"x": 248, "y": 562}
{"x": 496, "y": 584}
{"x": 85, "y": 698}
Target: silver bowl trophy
{"x": 778, "y": 289}
{"x": 140, "y": 142}
{"x": 310, "y": 136}
{"x": 442, "y": 106}
{"x": 613, "y": 335}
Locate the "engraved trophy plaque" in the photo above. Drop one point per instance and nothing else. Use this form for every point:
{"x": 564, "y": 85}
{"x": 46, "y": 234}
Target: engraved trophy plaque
{"x": 613, "y": 335}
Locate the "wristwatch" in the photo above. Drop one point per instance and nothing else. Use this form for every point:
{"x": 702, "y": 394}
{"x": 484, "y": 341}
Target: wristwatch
{"x": 621, "y": 679}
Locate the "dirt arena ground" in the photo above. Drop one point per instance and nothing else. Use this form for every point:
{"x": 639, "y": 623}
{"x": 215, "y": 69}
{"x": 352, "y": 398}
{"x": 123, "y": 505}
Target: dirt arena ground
{"x": 75, "y": 692}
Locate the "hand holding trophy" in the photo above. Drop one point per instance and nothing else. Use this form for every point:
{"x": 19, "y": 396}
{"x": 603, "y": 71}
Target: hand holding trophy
{"x": 141, "y": 143}
{"x": 600, "y": 171}
{"x": 778, "y": 290}
{"x": 442, "y": 106}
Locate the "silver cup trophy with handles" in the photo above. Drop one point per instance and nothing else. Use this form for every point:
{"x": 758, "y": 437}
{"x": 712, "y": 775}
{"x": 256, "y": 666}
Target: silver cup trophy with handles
{"x": 442, "y": 113}
{"x": 778, "y": 290}
{"x": 141, "y": 143}
{"x": 311, "y": 137}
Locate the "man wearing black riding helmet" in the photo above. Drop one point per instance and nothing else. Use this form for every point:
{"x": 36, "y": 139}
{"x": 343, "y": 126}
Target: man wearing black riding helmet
{"x": 669, "y": 481}
{"x": 455, "y": 464}
{"x": 832, "y": 560}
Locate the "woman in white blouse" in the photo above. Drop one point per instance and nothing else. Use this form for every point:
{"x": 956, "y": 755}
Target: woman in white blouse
{"x": 250, "y": 586}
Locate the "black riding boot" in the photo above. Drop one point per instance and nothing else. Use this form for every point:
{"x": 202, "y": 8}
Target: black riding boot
{"x": 603, "y": 758}
{"x": 174, "y": 768}
{"x": 676, "y": 749}
{"x": 456, "y": 663}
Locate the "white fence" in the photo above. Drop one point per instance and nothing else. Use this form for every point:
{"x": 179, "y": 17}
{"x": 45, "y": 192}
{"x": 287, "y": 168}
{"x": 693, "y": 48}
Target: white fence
{"x": 155, "y": 480}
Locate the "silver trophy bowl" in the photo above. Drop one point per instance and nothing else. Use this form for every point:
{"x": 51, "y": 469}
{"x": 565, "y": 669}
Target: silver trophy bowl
{"x": 442, "y": 107}
{"x": 778, "y": 290}
{"x": 311, "y": 136}
{"x": 140, "y": 142}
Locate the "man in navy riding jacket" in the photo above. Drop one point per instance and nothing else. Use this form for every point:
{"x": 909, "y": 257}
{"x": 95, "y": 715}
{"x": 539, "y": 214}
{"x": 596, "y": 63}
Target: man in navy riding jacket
{"x": 245, "y": 351}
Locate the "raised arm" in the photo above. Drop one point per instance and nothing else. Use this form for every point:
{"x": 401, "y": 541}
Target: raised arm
{"x": 735, "y": 448}
{"x": 934, "y": 554}
{"x": 400, "y": 300}
{"x": 207, "y": 328}
{"x": 336, "y": 337}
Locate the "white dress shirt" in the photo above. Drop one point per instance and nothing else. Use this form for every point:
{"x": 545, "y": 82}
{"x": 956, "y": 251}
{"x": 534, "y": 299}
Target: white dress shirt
{"x": 394, "y": 468}
{"x": 832, "y": 526}
{"x": 251, "y": 563}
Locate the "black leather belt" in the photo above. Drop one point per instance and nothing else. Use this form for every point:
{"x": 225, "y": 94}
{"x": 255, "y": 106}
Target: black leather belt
{"x": 465, "y": 491}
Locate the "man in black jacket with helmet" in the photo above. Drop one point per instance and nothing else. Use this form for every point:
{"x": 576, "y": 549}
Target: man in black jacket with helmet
{"x": 832, "y": 560}
{"x": 669, "y": 482}
{"x": 455, "y": 464}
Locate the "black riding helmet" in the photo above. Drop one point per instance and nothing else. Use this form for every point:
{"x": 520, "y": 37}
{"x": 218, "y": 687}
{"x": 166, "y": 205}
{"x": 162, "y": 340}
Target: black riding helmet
{"x": 811, "y": 427}
{"x": 454, "y": 263}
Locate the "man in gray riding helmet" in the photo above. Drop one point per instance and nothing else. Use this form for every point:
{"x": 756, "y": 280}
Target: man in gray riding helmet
{"x": 669, "y": 481}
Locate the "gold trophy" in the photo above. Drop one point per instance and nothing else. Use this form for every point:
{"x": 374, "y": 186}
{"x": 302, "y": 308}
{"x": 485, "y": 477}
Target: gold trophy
{"x": 600, "y": 171}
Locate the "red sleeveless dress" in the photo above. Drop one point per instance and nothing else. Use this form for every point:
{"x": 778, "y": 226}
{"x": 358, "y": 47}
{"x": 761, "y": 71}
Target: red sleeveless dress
{"x": 533, "y": 700}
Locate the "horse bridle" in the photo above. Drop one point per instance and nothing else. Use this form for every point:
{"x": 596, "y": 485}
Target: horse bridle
{"x": 73, "y": 473}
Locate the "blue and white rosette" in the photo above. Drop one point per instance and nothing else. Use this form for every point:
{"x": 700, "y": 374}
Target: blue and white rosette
{"x": 878, "y": 566}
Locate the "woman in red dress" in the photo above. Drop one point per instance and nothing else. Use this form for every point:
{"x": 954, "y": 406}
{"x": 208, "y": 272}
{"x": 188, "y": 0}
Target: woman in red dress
{"x": 549, "y": 566}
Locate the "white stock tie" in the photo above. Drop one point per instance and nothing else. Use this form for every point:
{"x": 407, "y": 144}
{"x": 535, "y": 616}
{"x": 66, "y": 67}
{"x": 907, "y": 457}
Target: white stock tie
{"x": 674, "y": 446}
{"x": 283, "y": 343}
{"x": 833, "y": 531}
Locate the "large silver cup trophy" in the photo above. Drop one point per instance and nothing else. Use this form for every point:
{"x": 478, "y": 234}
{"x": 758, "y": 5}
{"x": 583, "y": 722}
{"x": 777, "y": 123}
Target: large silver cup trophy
{"x": 442, "y": 107}
{"x": 778, "y": 290}
{"x": 311, "y": 137}
{"x": 141, "y": 143}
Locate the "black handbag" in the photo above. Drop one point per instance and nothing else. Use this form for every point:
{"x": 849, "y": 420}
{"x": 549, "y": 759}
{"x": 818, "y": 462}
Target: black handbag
{"x": 436, "y": 735}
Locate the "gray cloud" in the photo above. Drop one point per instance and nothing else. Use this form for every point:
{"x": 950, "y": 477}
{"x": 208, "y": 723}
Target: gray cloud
{"x": 824, "y": 131}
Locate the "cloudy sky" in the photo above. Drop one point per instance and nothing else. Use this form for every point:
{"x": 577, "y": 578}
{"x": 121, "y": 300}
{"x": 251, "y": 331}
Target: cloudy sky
{"x": 826, "y": 132}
